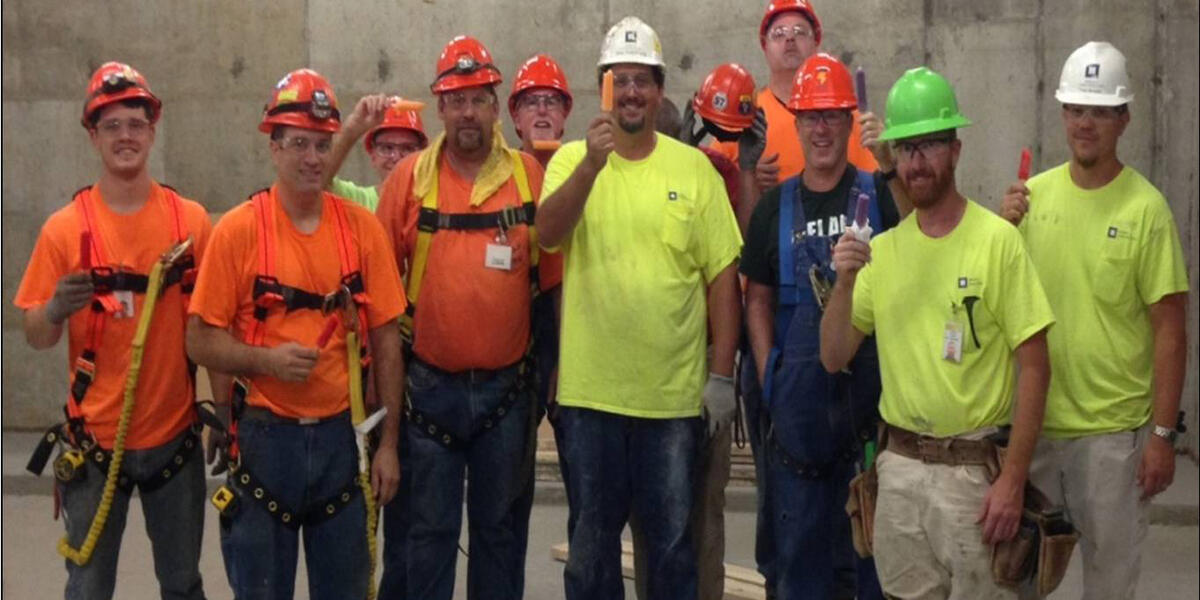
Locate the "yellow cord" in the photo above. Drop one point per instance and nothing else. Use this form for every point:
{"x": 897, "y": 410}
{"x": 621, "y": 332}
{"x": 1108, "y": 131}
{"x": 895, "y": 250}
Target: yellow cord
{"x": 84, "y": 553}
{"x": 358, "y": 413}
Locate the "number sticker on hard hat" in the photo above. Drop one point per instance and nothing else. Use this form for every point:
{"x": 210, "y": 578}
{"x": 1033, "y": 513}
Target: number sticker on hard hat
{"x": 719, "y": 101}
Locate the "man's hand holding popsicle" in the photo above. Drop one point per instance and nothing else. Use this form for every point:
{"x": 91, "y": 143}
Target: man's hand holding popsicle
{"x": 600, "y": 140}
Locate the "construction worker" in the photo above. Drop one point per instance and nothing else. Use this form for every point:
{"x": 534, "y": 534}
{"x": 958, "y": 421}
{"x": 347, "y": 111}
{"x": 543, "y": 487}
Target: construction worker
{"x": 297, "y": 284}
{"x": 539, "y": 104}
{"x": 816, "y": 423}
{"x": 389, "y": 132}
{"x": 459, "y": 214}
{"x": 789, "y": 33}
{"x": 1107, "y": 249}
{"x": 949, "y": 335}
{"x": 650, "y": 244}
{"x": 90, "y": 271}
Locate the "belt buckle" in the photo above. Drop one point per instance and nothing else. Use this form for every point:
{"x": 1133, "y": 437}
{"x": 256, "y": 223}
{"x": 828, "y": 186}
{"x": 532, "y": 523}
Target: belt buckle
{"x": 926, "y": 448}
{"x": 308, "y": 420}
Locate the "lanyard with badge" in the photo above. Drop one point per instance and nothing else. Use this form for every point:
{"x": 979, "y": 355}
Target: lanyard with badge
{"x": 499, "y": 250}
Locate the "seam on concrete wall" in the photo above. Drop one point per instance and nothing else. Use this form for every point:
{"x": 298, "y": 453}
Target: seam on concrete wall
{"x": 927, "y": 22}
{"x": 1159, "y": 132}
{"x": 1039, "y": 51}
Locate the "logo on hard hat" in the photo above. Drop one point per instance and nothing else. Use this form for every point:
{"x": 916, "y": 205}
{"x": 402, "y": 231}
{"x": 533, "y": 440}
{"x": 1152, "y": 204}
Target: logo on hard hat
{"x": 745, "y": 104}
{"x": 1091, "y": 71}
{"x": 720, "y": 101}
{"x": 321, "y": 107}
{"x": 631, "y": 37}
{"x": 466, "y": 64}
{"x": 287, "y": 96}
{"x": 822, "y": 75}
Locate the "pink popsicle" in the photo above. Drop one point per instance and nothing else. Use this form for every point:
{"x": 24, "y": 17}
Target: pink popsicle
{"x": 1026, "y": 163}
{"x": 327, "y": 333}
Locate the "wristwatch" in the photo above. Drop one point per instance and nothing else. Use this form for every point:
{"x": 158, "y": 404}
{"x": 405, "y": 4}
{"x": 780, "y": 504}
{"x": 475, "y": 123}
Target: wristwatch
{"x": 1165, "y": 433}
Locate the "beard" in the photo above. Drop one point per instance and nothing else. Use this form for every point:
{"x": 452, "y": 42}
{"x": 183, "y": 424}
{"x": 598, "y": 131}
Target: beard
{"x": 930, "y": 190}
{"x": 632, "y": 126}
{"x": 469, "y": 138}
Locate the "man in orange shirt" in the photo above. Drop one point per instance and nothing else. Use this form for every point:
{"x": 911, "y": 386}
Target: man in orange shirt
{"x": 459, "y": 214}
{"x": 96, "y": 252}
{"x": 283, "y": 268}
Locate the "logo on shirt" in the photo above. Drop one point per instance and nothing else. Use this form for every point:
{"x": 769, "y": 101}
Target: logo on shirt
{"x": 671, "y": 195}
{"x": 962, "y": 283}
{"x": 1112, "y": 232}
{"x": 1091, "y": 71}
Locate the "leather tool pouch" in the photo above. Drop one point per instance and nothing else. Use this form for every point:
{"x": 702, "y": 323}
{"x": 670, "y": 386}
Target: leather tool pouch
{"x": 860, "y": 506}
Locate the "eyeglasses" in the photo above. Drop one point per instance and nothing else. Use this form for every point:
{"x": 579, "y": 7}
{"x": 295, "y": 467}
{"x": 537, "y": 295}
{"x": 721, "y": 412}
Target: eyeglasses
{"x": 135, "y": 127}
{"x": 301, "y": 145}
{"x": 387, "y": 149}
{"x": 638, "y": 82}
{"x": 1098, "y": 113}
{"x": 831, "y": 118}
{"x": 458, "y": 101}
{"x": 781, "y": 32}
{"x": 533, "y": 101}
{"x": 927, "y": 147}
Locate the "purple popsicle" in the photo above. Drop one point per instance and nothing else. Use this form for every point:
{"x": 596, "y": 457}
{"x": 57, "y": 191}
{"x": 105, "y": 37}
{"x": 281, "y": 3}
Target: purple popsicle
{"x": 860, "y": 211}
{"x": 860, "y": 89}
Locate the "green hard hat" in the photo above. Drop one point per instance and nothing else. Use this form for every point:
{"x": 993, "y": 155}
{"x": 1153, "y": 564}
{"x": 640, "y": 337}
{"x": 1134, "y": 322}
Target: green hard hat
{"x": 921, "y": 102}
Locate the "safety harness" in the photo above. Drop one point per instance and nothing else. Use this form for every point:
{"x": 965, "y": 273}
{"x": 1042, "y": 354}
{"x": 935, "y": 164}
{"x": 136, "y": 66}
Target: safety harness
{"x": 429, "y": 222}
{"x": 107, "y": 280}
{"x": 792, "y": 226}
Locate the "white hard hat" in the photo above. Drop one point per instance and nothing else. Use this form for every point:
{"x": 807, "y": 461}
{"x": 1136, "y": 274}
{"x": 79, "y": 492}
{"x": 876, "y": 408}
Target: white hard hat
{"x": 631, "y": 41}
{"x": 1094, "y": 75}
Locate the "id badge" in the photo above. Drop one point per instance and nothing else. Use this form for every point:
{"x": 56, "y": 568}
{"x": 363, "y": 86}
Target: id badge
{"x": 499, "y": 256}
{"x": 125, "y": 297}
{"x": 952, "y": 341}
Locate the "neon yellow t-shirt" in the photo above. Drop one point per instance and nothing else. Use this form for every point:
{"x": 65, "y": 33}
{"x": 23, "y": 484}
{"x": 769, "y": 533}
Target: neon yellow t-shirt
{"x": 1105, "y": 255}
{"x": 366, "y": 196}
{"x": 653, "y": 233}
{"x": 978, "y": 278}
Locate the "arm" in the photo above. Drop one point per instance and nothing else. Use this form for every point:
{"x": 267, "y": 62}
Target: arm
{"x": 1168, "y": 319}
{"x": 389, "y": 384}
{"x": 748, "y": 195}
{"x": 840, "y": 339}
{"x": 1002, "y": 506}
{"x": 872, "y": 128}
{"x": 760, "y": 320}
{"x": 558, "y": 213}
{"x": 367, "y": 114}
{"x": 216, "y": 349}
{"x": 725, "y": 319}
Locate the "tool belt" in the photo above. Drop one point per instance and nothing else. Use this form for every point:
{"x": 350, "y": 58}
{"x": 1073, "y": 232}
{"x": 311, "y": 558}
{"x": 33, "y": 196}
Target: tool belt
{"x": 943, "y": 451}
{"x": 70, "y": 465}
{"x": 433, "y": 430}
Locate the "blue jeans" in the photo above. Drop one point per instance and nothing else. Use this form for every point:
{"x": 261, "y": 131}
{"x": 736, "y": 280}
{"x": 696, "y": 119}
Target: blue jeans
{"x": 492, "y": 461}
{"x": 300, "y": 465}
{"x": 396, "y": 521}
{"x": 174, "y": 516}
{"x": 622, "y": 466}
{"x": 764, "y": 538}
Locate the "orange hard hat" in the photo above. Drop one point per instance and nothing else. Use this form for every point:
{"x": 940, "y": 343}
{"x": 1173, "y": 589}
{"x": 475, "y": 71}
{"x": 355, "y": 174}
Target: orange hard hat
{"x": 303, "y": 98}
{"x": 727, "y": 97}
{"x": 822, "y": 83}
{"x": 539, "y": 72}
{"x": 397, "y": 117}
{"x": 777, "y": 7}
{"x": 114, "y": 82}
{"x": 464, "y": 62}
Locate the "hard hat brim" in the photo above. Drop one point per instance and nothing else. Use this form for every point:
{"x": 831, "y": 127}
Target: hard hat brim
{"x": 1086, "y": 99}
{"x": 909, "y": 130}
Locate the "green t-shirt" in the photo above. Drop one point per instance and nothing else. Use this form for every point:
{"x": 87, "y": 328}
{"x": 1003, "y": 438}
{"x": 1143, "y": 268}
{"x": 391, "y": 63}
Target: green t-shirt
{"x": 366, "y": 196}
{"x": 653, "y": 234}
{"x": 1104, "y": 256}
{"x": 977, "y": 279}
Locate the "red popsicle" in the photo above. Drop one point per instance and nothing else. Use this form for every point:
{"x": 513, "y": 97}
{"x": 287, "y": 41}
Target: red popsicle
{"x": 1026, "y": 163}
{"x": 85, "y": 250}
{"x": 327, "y": 333}
{"x": 860, "y": 89}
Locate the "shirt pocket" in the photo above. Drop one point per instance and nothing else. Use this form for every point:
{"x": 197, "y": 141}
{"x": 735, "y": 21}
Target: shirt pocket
{"x": 1113, "y": 281}
{"x": 678, "y": 221}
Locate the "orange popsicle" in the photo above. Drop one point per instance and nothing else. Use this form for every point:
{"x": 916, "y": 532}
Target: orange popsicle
{"x": 606, "y": 92}
{"x": 403, "y": 105}
{"x": 546, "y": 144}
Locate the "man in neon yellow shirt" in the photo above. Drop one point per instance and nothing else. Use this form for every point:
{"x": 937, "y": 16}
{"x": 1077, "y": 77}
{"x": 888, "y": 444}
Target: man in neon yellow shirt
{"x": 391, "y": 134}
{"x": 954, "y": 303}
{"x": 1103, "y": 240}
{"x": 650, "y": 244}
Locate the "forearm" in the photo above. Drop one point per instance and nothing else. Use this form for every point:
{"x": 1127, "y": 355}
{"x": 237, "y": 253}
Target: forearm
{"x": 40, "y": 332}
{"x": 221, "y": 384}
{"x": 747, "y": 199}
{"x": 343, "y": 143}
{"x": 1170, "y": 358}
{"x": 216, "y": 349}
{"x": 724, "y": 319}
{"x": 900, "y": 196}
{"x": 1033, "y": 379}
{"x": 839, "y": 338}
{"x": 389, "y": 378}
{"x": 760, "y": 324}
{"x": 560, "y": 212}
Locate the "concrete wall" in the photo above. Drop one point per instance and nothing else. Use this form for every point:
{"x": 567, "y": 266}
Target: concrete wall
{"x": 214, "y": 62}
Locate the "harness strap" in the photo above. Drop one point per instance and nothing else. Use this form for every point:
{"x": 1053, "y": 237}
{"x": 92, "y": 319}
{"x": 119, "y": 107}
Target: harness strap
{"x": 430, "y": 428}
{"x": 187, "y": 450}
{"x": 243, "y": 479}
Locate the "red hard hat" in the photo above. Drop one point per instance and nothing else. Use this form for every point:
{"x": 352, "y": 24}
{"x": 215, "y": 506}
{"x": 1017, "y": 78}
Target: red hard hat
{"x": 727, "y": 97}
{"x": 395, "y": 118}
{"x": 539, "y": 72}
{"x": 303, "y": 98}
{"x": 464, "y": 62}
{"x": 114, "y": 82}
{"x": 822, "y": 83}
{"x": 776, "y": 7}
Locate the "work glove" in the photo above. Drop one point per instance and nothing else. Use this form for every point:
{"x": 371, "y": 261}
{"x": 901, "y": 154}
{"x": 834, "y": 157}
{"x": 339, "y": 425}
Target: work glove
{"x": 216, "y": 418}
{"x": 720, "y": 403}
{"x": 752, "y": 143}
{"x": 687, "y": 127}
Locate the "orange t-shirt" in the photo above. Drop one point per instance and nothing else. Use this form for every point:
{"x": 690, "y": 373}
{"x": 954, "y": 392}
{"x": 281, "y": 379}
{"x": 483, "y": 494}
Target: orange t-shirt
{"x": 224, "y": 297}
{"x": 468, "y": 316}
{"x": 165, "y": 391}
{"x": 783, "y": 140}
